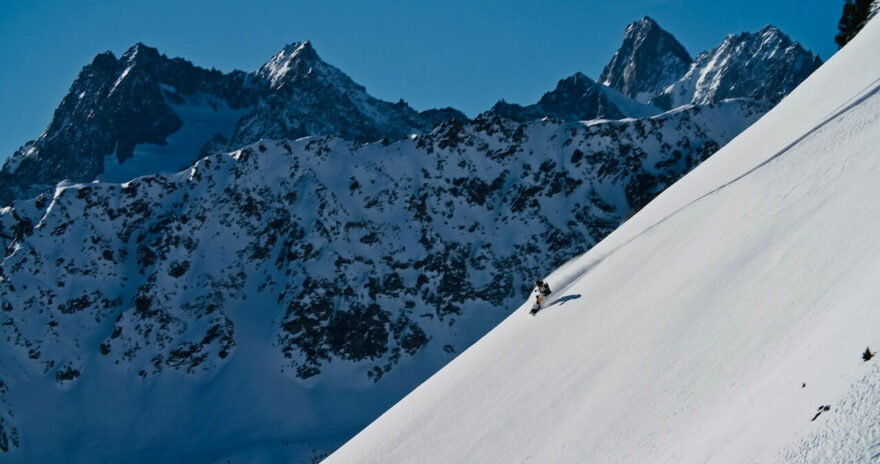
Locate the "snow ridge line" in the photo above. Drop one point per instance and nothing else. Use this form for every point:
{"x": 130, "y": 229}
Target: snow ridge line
{"x": 569, "y": 277}
{"x": 867, "y": 92}
{"x": 871, "y": 89}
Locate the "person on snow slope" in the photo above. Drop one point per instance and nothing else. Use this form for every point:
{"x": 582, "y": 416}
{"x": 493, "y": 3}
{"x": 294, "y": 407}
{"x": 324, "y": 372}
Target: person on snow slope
{"x": 542, "y": 290}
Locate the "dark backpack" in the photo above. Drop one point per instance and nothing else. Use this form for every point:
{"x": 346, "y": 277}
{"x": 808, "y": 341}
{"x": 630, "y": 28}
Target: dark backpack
{"x": 545, "y": 289}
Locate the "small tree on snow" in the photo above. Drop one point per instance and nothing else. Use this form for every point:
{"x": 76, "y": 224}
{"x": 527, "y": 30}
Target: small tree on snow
{"x": 855, "y": 15}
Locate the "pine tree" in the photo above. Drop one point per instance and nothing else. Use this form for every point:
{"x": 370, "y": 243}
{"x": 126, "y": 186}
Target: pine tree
{"x": 855, "y": 15}
{"x": 867, "y": 355}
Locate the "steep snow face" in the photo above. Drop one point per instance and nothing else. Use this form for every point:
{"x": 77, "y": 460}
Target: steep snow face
{"x": 649, "y": 60}
{"x": 268, "y": 303}
{"x": 577, "y": 98}
{"x": 712, "y": 326}
{"x": 764, "y": 65}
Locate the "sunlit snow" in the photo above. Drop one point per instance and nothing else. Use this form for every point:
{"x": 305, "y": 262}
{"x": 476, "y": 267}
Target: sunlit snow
{"x": 711, "y": 327}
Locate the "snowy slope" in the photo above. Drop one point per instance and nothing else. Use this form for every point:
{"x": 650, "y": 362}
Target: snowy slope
{"x": 710, "y": 327}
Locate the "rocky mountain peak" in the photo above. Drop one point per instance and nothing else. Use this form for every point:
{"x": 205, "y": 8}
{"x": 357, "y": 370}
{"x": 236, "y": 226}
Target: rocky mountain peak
{"x": 293, "y": 62}
{"x": 648, "y": 60}
{"x": 140, "y": 53}
{"x": 763, "y": 65}
{"x": 104, "y": 60}
{"x": 118, "y": 108}
{"x": 642, "y": 27}
{"x": 770, "y": 40}
{"x": 576, "y": 84}
{"x": 770, "y": 30}
{"x": 576, "y": 98}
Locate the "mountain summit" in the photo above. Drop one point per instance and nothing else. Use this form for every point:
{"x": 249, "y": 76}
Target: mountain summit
{"x": 114, "y": 107}
{"x": 647, "y": 62}
{"x": 652, "y": 72}
{"x": 764, "y": 65}
{"x": 295, "y": 61}
{"x": 145, "y": 113}
{"x": 652, "y": 67}
{"x": 304, "y": 95}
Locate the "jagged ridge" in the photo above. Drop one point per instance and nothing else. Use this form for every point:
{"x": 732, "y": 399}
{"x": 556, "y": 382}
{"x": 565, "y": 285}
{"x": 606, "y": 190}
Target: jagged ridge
{"x": 117, "y": 105}
{"x": 765, "y": 65}
{"x": 648, "y": 60}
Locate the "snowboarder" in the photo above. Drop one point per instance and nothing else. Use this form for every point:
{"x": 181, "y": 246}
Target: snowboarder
{"x": 543, "y": 290}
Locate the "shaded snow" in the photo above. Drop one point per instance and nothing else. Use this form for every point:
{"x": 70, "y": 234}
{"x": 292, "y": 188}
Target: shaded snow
{"x": 203, "y": 118}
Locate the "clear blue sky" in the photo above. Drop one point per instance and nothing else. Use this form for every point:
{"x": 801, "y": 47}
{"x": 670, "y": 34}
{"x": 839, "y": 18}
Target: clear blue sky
{"x": 465, "y": 54}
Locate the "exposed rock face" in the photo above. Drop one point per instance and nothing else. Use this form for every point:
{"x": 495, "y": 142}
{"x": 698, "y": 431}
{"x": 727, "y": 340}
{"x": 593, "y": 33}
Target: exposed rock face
{"x": 576, "y": 98}
{"x": 652, "y": 67}
{"x": 765, "y": 65}
{"x": 648, "y": 61}
{"x": 113, "y": 106}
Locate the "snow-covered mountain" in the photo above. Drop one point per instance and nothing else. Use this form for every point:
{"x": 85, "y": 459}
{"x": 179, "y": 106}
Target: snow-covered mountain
{"x": 287, "y": 291}
{"x": 652, "y": 67}
{"x": 652, "y": 72}
{"x": 765, "y": 65}
{"x": 145, "y": 113}
{"x": 312, "y": 269}
{"x": 117, "y": 107}
{"x": 725, "y": 322}
{"x": 649, "y": 60}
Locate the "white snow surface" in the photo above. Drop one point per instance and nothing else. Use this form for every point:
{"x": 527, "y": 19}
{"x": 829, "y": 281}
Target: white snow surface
{"x": 708, "y": 328}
